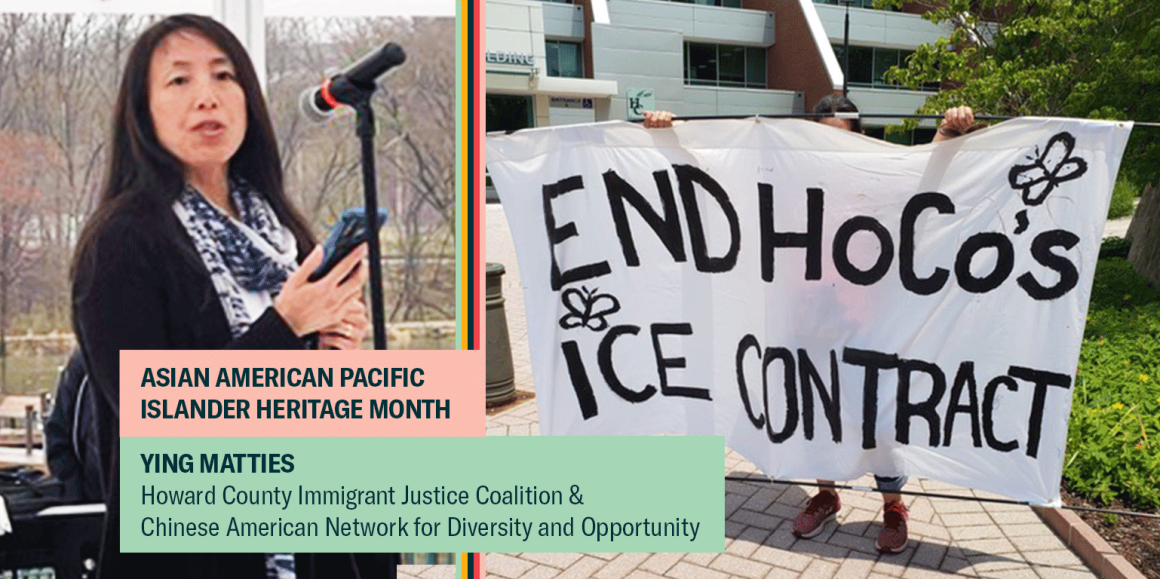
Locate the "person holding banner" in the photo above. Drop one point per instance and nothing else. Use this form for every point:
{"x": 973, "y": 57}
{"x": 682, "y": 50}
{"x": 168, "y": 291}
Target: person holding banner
{"x": 822, "y": 507}
{"x": 841, "y": 113}
{"x": 194, "y": 245}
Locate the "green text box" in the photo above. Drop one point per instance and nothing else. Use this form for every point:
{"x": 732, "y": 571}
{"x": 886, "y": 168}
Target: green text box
{"x": 639, "y": 494}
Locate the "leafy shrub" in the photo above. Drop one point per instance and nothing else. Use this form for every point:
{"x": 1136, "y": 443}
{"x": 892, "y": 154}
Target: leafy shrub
{"x": 1115, "y": 247}
{"x": 1113, "y": 447}
{"x": 1124, "y": 196}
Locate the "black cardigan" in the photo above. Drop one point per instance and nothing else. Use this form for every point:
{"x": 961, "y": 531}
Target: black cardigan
{"x": 140, "y": 284}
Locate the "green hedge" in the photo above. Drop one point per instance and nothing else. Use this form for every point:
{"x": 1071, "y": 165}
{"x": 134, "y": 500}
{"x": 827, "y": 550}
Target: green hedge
{"x": 1123, "y": 198}
{"x": 1113, "y": 447}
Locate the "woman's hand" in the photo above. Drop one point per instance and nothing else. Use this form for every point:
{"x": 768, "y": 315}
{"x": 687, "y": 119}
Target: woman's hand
{"x": 955, "y": 122}
{"x": 658, "y": 119}
{"x": 308, "y": 307}
{"x": 350, "y": 332}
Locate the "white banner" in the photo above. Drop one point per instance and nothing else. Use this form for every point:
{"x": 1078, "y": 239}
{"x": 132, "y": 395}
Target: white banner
{"x": 830, "y": 303}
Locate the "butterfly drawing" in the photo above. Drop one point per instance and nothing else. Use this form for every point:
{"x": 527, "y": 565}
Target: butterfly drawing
{"x": 1054, "y": 165}
{"x": 587, "y": 309}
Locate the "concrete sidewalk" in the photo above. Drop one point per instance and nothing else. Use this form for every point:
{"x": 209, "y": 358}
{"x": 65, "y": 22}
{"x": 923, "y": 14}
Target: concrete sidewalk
{"x": 947, "y": 537}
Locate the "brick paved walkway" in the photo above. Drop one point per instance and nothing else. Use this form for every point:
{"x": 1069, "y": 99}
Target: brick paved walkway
{"x": 947, "y": 537}
{"x": 426, "y": 571}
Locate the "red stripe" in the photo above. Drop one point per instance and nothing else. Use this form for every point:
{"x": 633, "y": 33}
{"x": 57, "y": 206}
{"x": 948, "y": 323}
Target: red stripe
{"x": 477, "y": 198}
{"x": 326, "y": 96}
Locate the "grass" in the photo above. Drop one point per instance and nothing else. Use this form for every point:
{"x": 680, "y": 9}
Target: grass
{"x": 1123, "y": 198}
{"x": 31, "y": 375}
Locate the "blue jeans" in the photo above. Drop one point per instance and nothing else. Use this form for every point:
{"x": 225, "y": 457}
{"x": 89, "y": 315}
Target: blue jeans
{"x": 890, "y": 484}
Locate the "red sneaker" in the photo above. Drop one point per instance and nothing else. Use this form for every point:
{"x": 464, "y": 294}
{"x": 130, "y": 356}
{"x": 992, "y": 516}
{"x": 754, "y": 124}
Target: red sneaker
{"x": 821, "y": 508}
{"x": 892, "y": 537}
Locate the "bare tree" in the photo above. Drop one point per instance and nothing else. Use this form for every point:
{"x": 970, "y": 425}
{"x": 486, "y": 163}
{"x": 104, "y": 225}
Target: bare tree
{"x": 415, "y": 146}
{"x": 20, "y": 197}
{"x": 59, "y": 82}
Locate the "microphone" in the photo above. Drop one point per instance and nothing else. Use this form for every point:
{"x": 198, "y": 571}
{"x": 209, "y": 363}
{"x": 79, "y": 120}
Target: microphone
{"x": 342, "y": 88}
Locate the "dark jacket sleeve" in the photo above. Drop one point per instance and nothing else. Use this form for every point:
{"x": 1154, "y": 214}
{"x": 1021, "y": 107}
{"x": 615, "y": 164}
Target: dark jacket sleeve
{"x": 63, "y": 461}
{"x": 124, "y": 299}
{"x": 118, "y": 304}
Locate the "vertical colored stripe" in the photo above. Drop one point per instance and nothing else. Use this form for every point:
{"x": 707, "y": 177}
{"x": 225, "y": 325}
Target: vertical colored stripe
{"x": 469, "y": 248}
{"x": 461, "y": 176}
{"x": 459, "y": 121}
{"x": 464, "y": 314}
{"x": 477, "y": 198}
{"x": 469, "y": 566}
{"x": 469, "y": 137}
{"x": 469, "y": 177}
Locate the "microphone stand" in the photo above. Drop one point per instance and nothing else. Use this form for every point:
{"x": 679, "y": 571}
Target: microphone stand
{"x": 360, "y": 100}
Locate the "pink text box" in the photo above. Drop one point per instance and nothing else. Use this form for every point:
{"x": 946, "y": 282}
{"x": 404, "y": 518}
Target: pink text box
{"x": 454, "y": 378}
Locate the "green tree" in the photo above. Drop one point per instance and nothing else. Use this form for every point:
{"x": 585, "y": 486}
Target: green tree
{"x": 1096, "y": 59}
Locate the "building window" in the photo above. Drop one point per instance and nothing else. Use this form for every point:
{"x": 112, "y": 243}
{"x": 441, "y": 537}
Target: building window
{"x": 867, "y": 4}
{"x": 868, "y": 64}
{"x": 565, "y": 59}
{"x": 724, "y": 65}
{"x": 509, "y": 112}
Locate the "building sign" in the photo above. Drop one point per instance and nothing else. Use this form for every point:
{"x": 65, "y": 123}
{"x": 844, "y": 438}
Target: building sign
{"x": 516, "y": 58}
{"x": 639, "y": 101}
{"x": 570, "y": 103}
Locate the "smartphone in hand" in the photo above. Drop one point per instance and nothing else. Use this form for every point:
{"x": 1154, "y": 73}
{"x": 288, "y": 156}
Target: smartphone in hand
{"x": 347, "y": 234}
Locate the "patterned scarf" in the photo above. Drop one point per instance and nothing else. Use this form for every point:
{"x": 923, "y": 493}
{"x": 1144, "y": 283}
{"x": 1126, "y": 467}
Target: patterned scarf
{"x": 253, "y": 255}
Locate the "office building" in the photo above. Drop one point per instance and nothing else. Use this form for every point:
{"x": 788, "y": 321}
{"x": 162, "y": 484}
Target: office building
{"x": 562, "y": 62}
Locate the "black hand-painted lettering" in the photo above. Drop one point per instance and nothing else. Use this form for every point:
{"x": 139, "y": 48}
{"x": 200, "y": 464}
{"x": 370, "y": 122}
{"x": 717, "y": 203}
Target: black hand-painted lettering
{"x": 1038, "y": 179}
{"x": 831, "y": 400}
{"x": 557, "y": 235}
{"x": 842, "y": 261}
{"x": 587, "y": 309}
{"x": 927, "y": 409}
{"x": 906, "y": 243}
{"x": 687, "y": 177}
{"x": 790, "y": 388}
{"x": 1021, "y": 221}
{"x": 579, "y": 378}
{"x": 747, "y": 343}
{"x": 989, "y": 413}
{"x": 604, "y": 358}
{"x": 964, "y": 380}
{"x": 1042, "y": 379}
{"x": 663, "y": 363}
{"x": 1055, "y": 165}
{"x": 811, "y": 240}
{"x": 874, "y": 362}
{"x": 667, "y": 229}
{"x": 1041, "y": 251}
{"x": 1003, "y": 265}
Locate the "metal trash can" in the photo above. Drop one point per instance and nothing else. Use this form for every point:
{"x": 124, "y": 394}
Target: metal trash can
{"x": 501, "y": 384}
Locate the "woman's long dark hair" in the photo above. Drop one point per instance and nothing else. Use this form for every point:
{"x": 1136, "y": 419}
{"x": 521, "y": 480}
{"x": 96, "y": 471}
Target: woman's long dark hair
{"x": 144, "y": 176}
{"x": 833, "y": 103}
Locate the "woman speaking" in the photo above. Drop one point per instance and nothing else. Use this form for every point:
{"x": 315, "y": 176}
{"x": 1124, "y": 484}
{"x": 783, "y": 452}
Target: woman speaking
{"x": 194, "y": 245}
